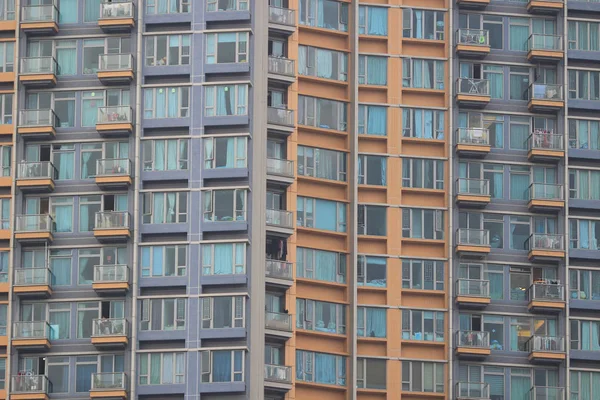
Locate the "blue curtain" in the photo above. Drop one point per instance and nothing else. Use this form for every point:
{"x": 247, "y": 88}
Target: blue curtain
{"x": 161, "y": 99}
{"x": 325, "y": 215}
{"x": 63, "y": 219}
{"x": 84, "y": 377}
{"x": 519, "y": 185}
{"x": 496, "y": 286}
{"x": 223, "y": 259}
{"x": 61, "y": 271}
{"x": 325, "y": 265}
{"x": 302, "y": 55}
{"x": 222, "y": 100}
{"x": 378, "y": 21}
{"x": 173, "y": 103}
{"x": 324, "y": 369}
{"x": 585, "y": 335}
{"x": 171, "y": 155}
{"x": 90, "y": 112}
{"x": 162, "y": 6}
{"x": 65, "y": 165}
{"x": 518, "y": 37}
{"x": 519, "y": 387}
{"x": 376, "y": 322}
{"x": 428, "y": 124}
{"x": 585, "y": 385}
{"x": 383, "y": 170}
{"x": 376, "y": 70}
{"x": 67, "y": 61}
{"x": 68, "y": 12}
{"x": 241, "y": 109}
{"x": 325, "y": 64}
{"x": 148, "y": 103}
{"x": 376, "y": 120}
{"x": 320, "y": 13}
{"x": 221, "y": 366}
{"x": 92, "y": 13}
{"x": 159, "y": 155}
{"x": 594, "y": 133}
{"x": 173, "y": 8}
{"x": 159, "y": 208}
{"x": 60, "y": 324}
{"x": 157, "y": 260}
{"x": 230, "y": 153}
{"x": 84, "y": 223}
{"x": 596, "y": 383}
{"x": 584, "y": 234}
{"x": 595, "y": 337}
{"x": 361, "y": 119}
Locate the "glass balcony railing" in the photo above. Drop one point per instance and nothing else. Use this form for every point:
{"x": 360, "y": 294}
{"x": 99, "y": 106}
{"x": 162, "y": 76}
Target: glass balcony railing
{"x": 553, "y": 344}
{"x": 109, "y": 381}
{"x": 31, "y": 330}
{"x": 39, "y": 13}
{"x": 38, "y": 65}
{"x": 545, "y": 241}
{"x": 115, "y": 62}
{"x": 281, "y": 66}
{"x": 111, "y": 273}
{"x": 546, "y": 393}
{"x": 280, "y": 116}
{"x": 475, "y": 339}
{"x": 227, "y": 5}
{"x": 473, "y": 87}
{"x": 473, "y": 390}
{"x": 36, "y": 170}
{"x": 114, "y": 115}
{"x": 113, "y": 167}
{"x": 543, "y": 91}
{"x": 279, "y": 269}
{"x": 280, "y": 167}
{"x": 473, "y": 237}
{"x": 278, "y": 373}
{"x": 546, "y": 191}
{"x": 278, "y": 321}
{"x": 34, "y": 223}
{"x": 104, "y": 327}
{"x": 538, "y": 41}
{"x": 116, "y": 9}
{"x": 473, "y": 187}
{"x": 473, "y": 136}
{"x": 32, "y": 276}
{"x": 33, "y": 384}
{"x": 545, "y": 140}
{"x": 282, "y": 218}
{"x": 112, "y": 220}
{"x": 473, "y": 287}
{"x": 473, "y": 37}
{"x": 283, "y": 16}
{"x": 31, "y": 118}
{"x": 546, "y": 292}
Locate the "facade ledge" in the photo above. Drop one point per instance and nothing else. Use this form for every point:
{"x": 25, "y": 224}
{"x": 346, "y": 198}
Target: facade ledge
{"x": 321, "y": 283}
{"x": 323, "y": 31}
{"x": 320, "y": 386}
{"x": 323, "y": 81}
{"x": 337, "y": 336}
{"x": 316, "y": 129}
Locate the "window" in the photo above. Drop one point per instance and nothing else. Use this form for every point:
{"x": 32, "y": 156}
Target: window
{"x": 372, "y": 21}
{"x": 226, "y": 47}
{"x": 584, "y": 85}
{"x": 92, "y": 101}
{"x": 371, "y": 373}
{"x": 85, "y": 367}
{"x": 584, "y": 385}
{"x": 4, "y": 256}
{"x": 494, "y": 173}
{"x": 226, "y": 205}
{"x": 88, "y": 258}
{"x": 168, "y": 50}
{"x": 422, "y": 124}
{"x": 420, "y": 376}
{"x": 165, "y": 208}
{"x": 60, "y": 267}
{"x": 372, "y": 70}
{"x": 323, "y": 368}
{"x": 328, "y": 14}
{"x": 86, "y": 313}
{"x": 584, "y": 36}
{"x": 62, "y": 103}
{"x": 371, "y": 271}
{"x": 322, "y": 113}
{"x": 59, "y": 318}
{"x": 320, "y": 316}
{"x": 221, "y": 100}
{"x": 227, "y": 5}
{"x": 166, "y": 102}
{"x": 321, "y": 163}
{"x": 584, "y": 134}
{"x": 322, "y": 63}
{"x": 63, "y": 159}
{"x": 3, "y": 371}
{"x": 519, "y": 83}
{"x": 585, "y": 335}
{"x": 372, "y": 120}
{"x": 495, "y": 75}
{"x": 423, "y": 325}
{"x": 162, "y": 261}
{"x": 224, "y": 259}
{"x": 371, "y": 322}
{"x": 372, "y": 220}
{"x": 321, "y": 214}
{"x": 61, "y": 209}
{"x": 7, "y": 13}
{"x": 7, "y": 57}
{"x": 584, "y": 234}
{"x": 66, "y": 54}
{"x": 494, "y": 25}
{"x": 419, "y": 223}
{"x": 6, "y": 103}
{"x": 321, "y": 265}
{"x": 5, "y": 213}
{"x": 3, "y": 320}
{"x": 584, "y": 184}
{"x": 91, "y": 153}
{"x": 223, "y": 312}
{"x": 422, "y": 274}
{"x": 584, "y": 284}
{"x": 423, "y": 24}
{"x": 422, "y": 173}
{"x": 225, "y": 152}
{"x": 161, "y": 368}
{"x": 520, "y": 230}
{"x": 494, "y": 325}
{"x": 222, "y": 366}
{"x": 168, "y": 6}
{"x": 519, "y": 182}
{"x": 162, "y": 314}
{"x": 372, "y": 170}
{"x": 165, "y": 154}
{"x": 519, "y": 33}
{"x": 422, "y": 74}
{"x": 92, "y": 50}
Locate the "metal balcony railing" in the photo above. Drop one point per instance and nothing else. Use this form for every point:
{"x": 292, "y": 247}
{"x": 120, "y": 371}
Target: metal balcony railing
{"x": 546, "y": 292}
{"x": 473, "y": 187}
{"x": 34, "y": 223}
{"x": 41, "y": 117}
{"x": 39, "y": 13}
{"x": 553, "y": 344}
{"x": 473, "y": 237}
{"x": 278, "y": 321}
{"x": 473, "y": 390}
{"x": 37, "y": 384}
{"x": 546, "y": 393}
{"x": 475, "y": 339}
{"x": 545, "y": 241}
{"x": 279, "y": 269}
{"x": 473, "y": 37}
{"x": 473, "y": 287}
{"x": 545, "y": 140}
{"x": 544, "y": 91}
{"x": 36, "y": 170}
{"x": 282, "y": 218}
{"x": 104, "y": 327}
{"x": 112, "y": 220}
{"x": 538, "y": 41}
{"x": 546, "y": 191}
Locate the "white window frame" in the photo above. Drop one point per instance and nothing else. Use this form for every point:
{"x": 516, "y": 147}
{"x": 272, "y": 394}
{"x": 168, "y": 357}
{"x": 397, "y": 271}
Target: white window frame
{"x": 310, "y": 307}
{"x": 362, "y": 171}
{"x": 184, "y": 7}
{"x": 151, "y": 59}
{"x": 241, "y": 54}
{"x": 341, "y": 162}
{"x": 408, "y": 128}
{"x": 311, "y": 54}
{"x": 408, "y": 74}
{"x": 148, "y": 207}
{"x": 146, "y": 314}
{"x": 235, "y": 267}
{"x": 236, "y": 158}
{"x": 309, "y": 273}
{"x": 180, "y": 270}
{"x": 310, "y": 223}
{"x": 363, "y": 65}
{"x": 240, "y": 105}
{"x": 438, "y": 34}
{"x": 178, "y": 376}
{"x": 182, "y": 93}
{"x": 407, "y": 325}
{"x": 182, "y": 160}
{"x": 436, "y": 267}
{"x": 209, "y": 209}
{"x": 420, "y": 163}
{"x": 7, "y": 65}
{"x": 410, "y": 382}
{"x": 361, "y": 270}
{"x": 307, "y": 372}
{"x": 311, "y": 104}
{"x": 238, "y": 312}
{"x": 240, "y": 5}
{"x": 578, "y": 74}
{"x": 438, "y": 220}
{"x": 206, "y": 375}
{"x": 361, "y": 372}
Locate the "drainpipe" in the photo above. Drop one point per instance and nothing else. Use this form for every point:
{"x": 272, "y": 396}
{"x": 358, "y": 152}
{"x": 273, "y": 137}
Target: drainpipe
{"x": 565, "y": 194}
{"x": 450, "y": 297}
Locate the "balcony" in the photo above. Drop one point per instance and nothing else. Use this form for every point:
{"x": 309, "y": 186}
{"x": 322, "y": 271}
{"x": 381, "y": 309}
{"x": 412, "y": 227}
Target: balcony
{"x": 116, "y": 16}
{"x": 109, "y": 385}
{"x": 34, "y": 228}
{"x": 31, "y": 335}
{"x": 546, "y": 197}
{"x": 473, "y": 4}
{"x": 546, "y": 297}
{"x": 545, "y": 6}
{"x": 278, "y": 377}
{"x": 109, "y": 333}
{"x": 37, "y": 124}
{"x": 282, "y": 20}
{"x": 115, "y": 69}
{"x": 546, "y": 393}
{"x": 114, "y": 173}
{"x": 115, "y": 120}
{"x": 282, "y": 69}
{"x": 32, "y": 282}
{"x": 546, "y": 349}
{"x": 38, "y": 72}
{"x": 472, "y": 391}
{"x": 39, "y": 19}
{"x": 546, "y": 247}
{"x": 545, "y": 98}
{"x": 472, "y": 93}
{"x": 280, "y": 322}
{"x": 111, "y": 279}
{"x": 29, "y": 387}
{"x": 473, "y": 142}
{"x": 472, "y": 344}
{"x": 279, "y": 273}
{"x": 545, "y": 146}
{"x": 280, "y": 171}
{"x": 280, "y": 119}
{"x": 474, "y": 293}
{"x": 473, "y": 242}
{"x": 36, "y": 176}
{"x": 473, "y": 43}
{"x": 112, "y": 226}
{"x": 280, "y": 221}
{"x": 545, "y": 48}
{"x": 473, "y": 192}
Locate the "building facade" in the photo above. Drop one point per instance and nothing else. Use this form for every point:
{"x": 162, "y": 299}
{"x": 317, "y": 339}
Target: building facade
{"x": 252, "y": 199}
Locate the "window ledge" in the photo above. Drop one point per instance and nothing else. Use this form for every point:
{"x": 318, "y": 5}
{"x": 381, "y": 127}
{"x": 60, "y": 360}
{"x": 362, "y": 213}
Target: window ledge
{"x": 422, "y": 342}
{"x": 373, "y": 87}
{"x": 424, "y": 241}
{"x": 371, "y": 288}
{"x": 423, "y": 91}
{"x": 372, "y": 391}
{"x": 371, "y": 339}
{"x": 322, "y": 283}
{"x": 373, "y": 187}
{"x": 307, "y": 332}
{"x": 373, "y": 37}
{"x": 371, "y": 137}
{"x": 423, "y": 140}
{"x": 372, "y": 237}
{"x": 320, "y": 385}
{"x": 323, "y": 80}
{"x": 316, "y": 129}
{"x": 321, "y": 231}
{"x": 316, "y": 29}
{"x": 425, "y": 292}
{"x": 424, "y": 190}
{"x": 321, "y": 180}
{"x": 424, "y": 41}
{"x": 433, "y": 395}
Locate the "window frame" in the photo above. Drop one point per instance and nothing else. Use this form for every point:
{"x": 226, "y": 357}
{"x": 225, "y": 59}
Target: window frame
{"x": 437, "y": 272}
{"x": 238, "y": 312}
{"x": 438, "y": 219}
{"x": 183, "y": 98}
{"x": 148, "y": 207}
{"x": 208, "y": 355}
{"x": 409, "y": 368}
{"x": 151, "y": 46}
{"x": 182, "y": 160}
{"x": 241, "y": 54}
{"x": 409, "y": 125}
{"x": 302, "y": 255}
{"x": 305, "y": 221}
{"x": 307, "y": 318}
{"x": 303, "y": 160}
{"x": 240, "y": 105}
{"x": 210, "y": 208}
{"x": 178, "y": 378}
{"x": 236, "y": 158}
{"x": 179, "y": 270}
{"x": 411, "y": 30}
{"x": 410, "y": 163}
{"x": 178, "y": 320}
{"x": 409, "y": 69}
{"x": 237, "y": 269}
{"x": 183, "y": 8}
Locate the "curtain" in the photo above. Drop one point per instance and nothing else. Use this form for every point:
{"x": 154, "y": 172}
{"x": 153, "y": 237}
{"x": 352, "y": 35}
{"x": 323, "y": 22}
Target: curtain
{"x": 221, "y": 366}
{"x": 223, "y": 259}
{"x": 68, "y": 12}
{"x": 155, "y": 368}
{"x": 519, "y": 185}
{"x": 64, "y": 218}
{"x": 60, "y": 323}
{"x": 518, "y": 136}
{"x": 321, "y": 13}
{"x": 61, "y": 271}
{"x": 92, "y": 13}
{"x": 161, "y": 98}
{"x": 224, "y": 101}
{"x": 594, "y": 134}
{"x": 230, "y": 153}
{"x": 383, "y": 170}
{"x": 584, "y": 186}
{"x": 90, "y": 112}
{"x": 428, "y": 124}
{"x": 173, "y": 103}
{"x": 376, "y": 120}
{"x": 378, "y": 21}
{"x": 376, "y": 70}
{"x": 67, "y": 59}
{"x": 159, "y": 155}
{"x": 584, "y": 234}
{"x": 594, "y": 34}
{"x": 84, "y": 220}
{"x": 157, "y": 260}
{"x": 376, "y": 322}
{"x": 148, "y": 103}
{"x": 518, "y": 37}
{"x": 208, "y": 153}
{"x": 325, "y": 64}
{"x": 158, "y": 212}
{"x": 241, "y": 96}
{"x": 361, "y": 119}
{"x": 595, "y": 338}
{"x": 84, "y": 377}
{"x": 302, "y": 55}
{"x": 162, "y": 6}
{"x": 325, "y": 265}
{"x": 171, "y": 155}
{"x": 65, "y": 165}
{"x": 585, "y": 335}
{"x": 418, "y": 24}
{"x": 325, "y": 215}
{"x": 596, "y": 383}
{"x": 519, "y": 387}
{"x": 171, "y": 217}
{"x": 324, "y": 369}
{"x": 585, "y": 385}
{"x": 167, "y": 372}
